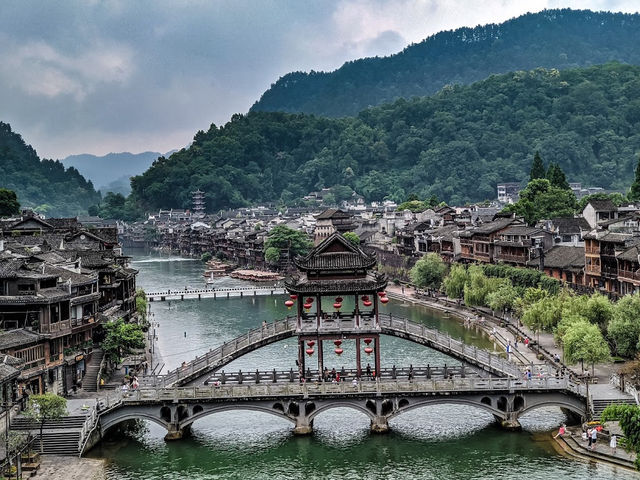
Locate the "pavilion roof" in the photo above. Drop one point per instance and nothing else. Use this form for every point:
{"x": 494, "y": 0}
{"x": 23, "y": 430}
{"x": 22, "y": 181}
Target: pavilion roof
{"x": 336, "y": 253}
{"x": 373, "y": 282}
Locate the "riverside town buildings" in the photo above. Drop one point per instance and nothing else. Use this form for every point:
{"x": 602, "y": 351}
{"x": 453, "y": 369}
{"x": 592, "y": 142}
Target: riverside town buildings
{"x": 59, "y": 281}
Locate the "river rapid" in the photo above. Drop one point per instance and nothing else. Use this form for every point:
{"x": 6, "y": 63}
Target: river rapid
{"x": 437, "y": 442}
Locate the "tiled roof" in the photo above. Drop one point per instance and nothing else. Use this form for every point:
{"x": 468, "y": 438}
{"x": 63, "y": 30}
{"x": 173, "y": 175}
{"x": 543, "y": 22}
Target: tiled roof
{"x": 565, "y": 257}
{"x": 335, "y": 253}
{"x": 602, "y": 205}
{"x": 568, "y": 225}
{"x": 15, "y": 338}
{"x": 333, "y": 213}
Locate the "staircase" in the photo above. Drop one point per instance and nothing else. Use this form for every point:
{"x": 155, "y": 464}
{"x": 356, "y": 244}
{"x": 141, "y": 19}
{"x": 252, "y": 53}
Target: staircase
{"x": 600, "y": 404}
{"x": 60, "y": 437}
{"x": 90, "y": 381}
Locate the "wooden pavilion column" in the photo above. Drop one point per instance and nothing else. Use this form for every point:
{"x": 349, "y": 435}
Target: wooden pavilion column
{"x": 301, "y": 359}
{"x": 375, "y": 310}
{"x": 320, "y": 356}
{"x": 358, "y": 361}
{"x": 299, "y": 312}
{"x": 357, "y": 319}
{"x": 377, "y": 347}
{"x": 318, "y": 310}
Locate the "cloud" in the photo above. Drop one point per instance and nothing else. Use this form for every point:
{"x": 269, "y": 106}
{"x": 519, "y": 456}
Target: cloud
{"x": 98, "y": 76}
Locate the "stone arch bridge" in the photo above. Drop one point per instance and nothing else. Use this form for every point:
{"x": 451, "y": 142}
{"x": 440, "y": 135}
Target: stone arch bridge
{"x": 176, "y": 408}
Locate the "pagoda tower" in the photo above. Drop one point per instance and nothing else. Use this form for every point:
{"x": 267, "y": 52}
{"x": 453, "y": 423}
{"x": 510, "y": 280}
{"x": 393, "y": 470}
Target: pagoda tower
{"x": 198, "y": 204}
{"x": 337, "y": 295}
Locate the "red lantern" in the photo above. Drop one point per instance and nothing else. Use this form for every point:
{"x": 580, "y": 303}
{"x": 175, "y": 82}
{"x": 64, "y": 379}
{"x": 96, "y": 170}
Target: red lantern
{"x": 311, "y": 343}
{"x": 382, "y": 294}
{"x": 293, "y": 296}
{"x": 309, "y": 299}
{"x": 365, "y": 298}
{"x": 289, "y": 304}
{"x": 384, "y": 300}
{"x": 368, "y": 350}
{"x": 310, "y": 351}
{"x": 338, "y": 351}
{"x": 337, "y": 306}
{"x": 338, "y": 299}
{"x": 368, "y": 340}
{"x": 337, "y": 343}
{"x": 307, "y": 306}
{"x": 367, "y": 303}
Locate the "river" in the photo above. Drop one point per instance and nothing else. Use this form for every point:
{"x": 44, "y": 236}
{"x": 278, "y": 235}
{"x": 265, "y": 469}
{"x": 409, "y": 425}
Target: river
{"x": 438, "y": 442}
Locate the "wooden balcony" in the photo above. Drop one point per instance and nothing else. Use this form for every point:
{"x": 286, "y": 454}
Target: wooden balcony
{"x": 592, "y": 269}
{"x": 504, "y": 257}
{"x": 629, "y": 275}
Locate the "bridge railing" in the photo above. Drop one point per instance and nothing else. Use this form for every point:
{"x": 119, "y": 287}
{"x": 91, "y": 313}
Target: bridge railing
{"x": 347, "y": 388}
{"x": 216, "y": 355}
{"x": 88, "y": 425}
{"x": 187, "y": 291}
{"x": 471, "y": 353}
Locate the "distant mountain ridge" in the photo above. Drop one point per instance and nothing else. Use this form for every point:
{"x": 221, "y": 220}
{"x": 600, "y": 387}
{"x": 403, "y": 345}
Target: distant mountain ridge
{"x": 551, "y": 39}
{"x": 111, "y": 172}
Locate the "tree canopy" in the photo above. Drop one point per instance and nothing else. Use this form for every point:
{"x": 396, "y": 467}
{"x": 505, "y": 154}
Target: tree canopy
{"x": 428, "y": 271}
{"x": 541, "y": 200}
{"x": 552, "y": 38}
{"x": 9, "y": 204}
{"x": 456, "y": 145}
{"x": 44, "y": 407}
{"x": 286, "y": 239}
{"x": 42, "y": 185}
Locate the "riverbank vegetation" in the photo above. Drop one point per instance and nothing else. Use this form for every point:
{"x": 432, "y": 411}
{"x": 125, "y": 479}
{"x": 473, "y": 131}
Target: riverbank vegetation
{"x": 590, "y": 328}
{"x": 628, "y": 417}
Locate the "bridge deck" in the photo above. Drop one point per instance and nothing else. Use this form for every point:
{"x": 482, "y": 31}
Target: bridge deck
{"x": 389, "y": 325}
{"x": 202, "y": 293}
{"x": 309, "y": 390}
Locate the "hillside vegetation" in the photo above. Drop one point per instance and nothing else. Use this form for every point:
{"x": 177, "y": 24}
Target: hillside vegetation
{"x": 552, "y": 39}
{"x": 456, "y": 145}
{"x": 46, "y": 185}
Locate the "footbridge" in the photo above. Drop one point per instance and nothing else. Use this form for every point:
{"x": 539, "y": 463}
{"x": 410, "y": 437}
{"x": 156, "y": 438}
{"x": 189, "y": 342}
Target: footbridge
{"x": 176, "y": 408}
{"x": 215, "y": 293}
{"x": 199, "y": 369}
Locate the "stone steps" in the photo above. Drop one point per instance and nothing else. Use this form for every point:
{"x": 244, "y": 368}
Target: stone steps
{"x": 90, "y": 381}
{"x": 600, "y": 404}
{"x": 70, "y": 422}
{"x": 58, "y": 443}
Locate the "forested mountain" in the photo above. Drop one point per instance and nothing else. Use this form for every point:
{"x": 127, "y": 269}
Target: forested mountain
{"x": 552, "y": 39}
{"x": 42, "y": 185}
{"x": 457, "y": 144}
{"x": 111, "y": 172}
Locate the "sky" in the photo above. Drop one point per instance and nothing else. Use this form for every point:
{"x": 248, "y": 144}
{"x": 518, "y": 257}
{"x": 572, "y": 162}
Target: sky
{"x": 100, "y": 76}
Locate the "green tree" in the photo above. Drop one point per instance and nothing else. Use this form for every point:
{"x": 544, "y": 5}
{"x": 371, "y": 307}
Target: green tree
{"x": 287, "y": 239}
{"x": 206, "y": 256}
{"x": 352, "y": 237}
{"x": 141, "y": 304}
{"x": 541, "y": 200}
{"x": 634, "y": 191}
{"x": 44, "y": 407}
{"x": 455, "y": 281}
{"x": 94, "y": 210}
{"x": 8, "y": 203}
{"x": 628, "y": 417}
{"x": 537, "y": 168}
{"x": 556, "y": 177}
{"x": 584, "y": 342}
{"x": 617, "y": 199}
{"x": 480, "y": 286}
{"x": 624, "y": 327}
{"x": 415, "y": 206}
{"x": 272, "y": 255}
{"x": 121, "y": 339}
{"x": 428, "y": 271}
{"x": 502, "y": 299}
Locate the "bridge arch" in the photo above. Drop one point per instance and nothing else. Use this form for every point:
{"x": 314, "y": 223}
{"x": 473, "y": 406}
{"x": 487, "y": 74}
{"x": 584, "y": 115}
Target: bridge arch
{"x": 580, "y": 411}
{"x": 324, "y": 407}
{"x": 446, "y": 401}
{"x": 112, "y": 419}
{"x": 224, "y": 408}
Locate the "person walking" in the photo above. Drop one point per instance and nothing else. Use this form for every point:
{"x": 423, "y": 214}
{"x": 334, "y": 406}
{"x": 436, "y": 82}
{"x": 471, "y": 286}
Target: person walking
{"x": 589, "y": 437}
{"x": 613, "y": 443}
{"x": 509, "y": 351}
{"x": 594, "y": 438}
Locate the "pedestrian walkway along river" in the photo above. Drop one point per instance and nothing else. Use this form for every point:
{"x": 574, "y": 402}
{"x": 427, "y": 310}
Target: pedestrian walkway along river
{"x": 438, "y": 442}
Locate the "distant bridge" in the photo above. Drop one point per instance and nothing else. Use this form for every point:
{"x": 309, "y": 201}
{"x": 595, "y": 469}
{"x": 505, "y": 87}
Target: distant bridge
{"x": 202, "y": 293}
{"x": 299, "y": 403}
{"x": 200, "y": 368}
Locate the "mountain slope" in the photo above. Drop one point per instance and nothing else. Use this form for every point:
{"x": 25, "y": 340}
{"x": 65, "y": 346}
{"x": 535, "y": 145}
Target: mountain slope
{"x": 457, "y": 144}
{"x": 43, "y": 185}
{"x": 551, "y": 39}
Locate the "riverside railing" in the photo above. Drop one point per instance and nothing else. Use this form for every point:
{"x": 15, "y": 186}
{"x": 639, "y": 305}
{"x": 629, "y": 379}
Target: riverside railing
{"x": 87, "y": 427}
{"x": 306, "y": 390}
{"x": 193, "y": 291}
{"x": 280, "y": 329}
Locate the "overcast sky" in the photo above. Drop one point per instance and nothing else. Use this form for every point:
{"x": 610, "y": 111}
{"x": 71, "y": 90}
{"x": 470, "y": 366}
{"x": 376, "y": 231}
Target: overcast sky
{"x": 131, "y": 75}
